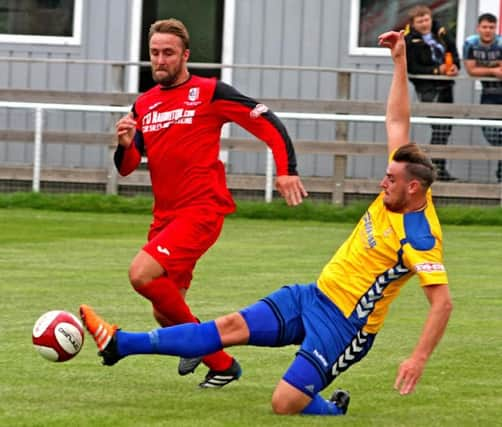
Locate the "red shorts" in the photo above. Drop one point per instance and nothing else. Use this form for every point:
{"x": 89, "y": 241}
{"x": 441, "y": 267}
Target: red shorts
{"x": 181, "y": 240}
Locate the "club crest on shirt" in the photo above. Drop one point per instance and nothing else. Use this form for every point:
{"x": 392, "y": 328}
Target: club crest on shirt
{"x": 193, "y": 94}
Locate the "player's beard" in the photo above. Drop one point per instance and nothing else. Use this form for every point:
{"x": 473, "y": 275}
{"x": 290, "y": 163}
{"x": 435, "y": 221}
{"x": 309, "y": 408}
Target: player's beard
{"x": 169, "y": 78}
{"x": 398, "y": 204}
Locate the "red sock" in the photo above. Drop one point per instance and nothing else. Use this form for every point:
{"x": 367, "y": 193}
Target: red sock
{"x": 167, "y": 300}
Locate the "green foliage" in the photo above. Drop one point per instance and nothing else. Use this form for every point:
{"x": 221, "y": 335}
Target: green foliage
{"x": 58, "y": 260}
{"x": 325, "y": 212}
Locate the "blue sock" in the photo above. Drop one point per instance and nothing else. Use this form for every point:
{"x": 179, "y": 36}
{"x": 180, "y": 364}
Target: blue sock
{"x": 187, "y": 340}
{"x": 320, "y": 406}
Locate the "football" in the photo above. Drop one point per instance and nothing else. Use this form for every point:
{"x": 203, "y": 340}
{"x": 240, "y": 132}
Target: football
{"x": 58, "y": 336}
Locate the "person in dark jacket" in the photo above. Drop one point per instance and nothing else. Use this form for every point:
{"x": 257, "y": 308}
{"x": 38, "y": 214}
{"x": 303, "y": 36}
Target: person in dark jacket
{"x": 431, "y": 51}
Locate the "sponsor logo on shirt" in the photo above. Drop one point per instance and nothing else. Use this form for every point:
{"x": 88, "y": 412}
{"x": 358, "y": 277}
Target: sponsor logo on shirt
{"x": 156, "y": 120}
{"x": 258, "y": 111}
{"x": 368, "y": 227}
{"x": 429, "y": 267}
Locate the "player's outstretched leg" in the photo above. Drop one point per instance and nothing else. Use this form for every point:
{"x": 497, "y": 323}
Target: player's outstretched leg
{"x": 103, "y": 333}
{"x": 189, "y": 340}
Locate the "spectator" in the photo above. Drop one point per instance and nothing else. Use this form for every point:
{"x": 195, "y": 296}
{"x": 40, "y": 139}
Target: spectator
{"x": 427, "y": 46}
{"x": 483, "y": 58}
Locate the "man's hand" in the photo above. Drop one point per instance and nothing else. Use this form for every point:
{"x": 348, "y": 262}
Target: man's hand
{"x": 450, "y": 72}
{"x": 291, "y": 188}
{"x": 497, "y": 72}
{"x": 394, "y": 40}
{"x": 125, "y": 129}
{"x": 408, "y": 375}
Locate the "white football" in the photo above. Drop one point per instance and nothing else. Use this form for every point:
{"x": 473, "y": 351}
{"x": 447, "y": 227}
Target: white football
{"x": 58, "y": 335}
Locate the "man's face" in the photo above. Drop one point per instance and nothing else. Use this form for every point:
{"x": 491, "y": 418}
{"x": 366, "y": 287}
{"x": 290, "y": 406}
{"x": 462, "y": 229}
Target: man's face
{"x": 487, "y": 31}
{"x": 168, "y": 58}
{"x": 395, "y": 185}
{"x": 422, "y": 24}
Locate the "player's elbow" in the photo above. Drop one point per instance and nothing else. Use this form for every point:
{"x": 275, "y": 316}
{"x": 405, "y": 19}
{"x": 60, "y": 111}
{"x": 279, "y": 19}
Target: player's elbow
{"x": 124, "y": 172}
{"x": 445, "y": 306}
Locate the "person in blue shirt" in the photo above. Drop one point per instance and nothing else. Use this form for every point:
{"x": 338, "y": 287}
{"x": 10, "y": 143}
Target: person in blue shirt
{"x": 483, "y": 58}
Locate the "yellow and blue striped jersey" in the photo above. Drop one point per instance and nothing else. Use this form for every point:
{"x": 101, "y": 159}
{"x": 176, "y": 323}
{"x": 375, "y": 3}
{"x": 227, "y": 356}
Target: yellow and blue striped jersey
{"x": 382, "y": 253}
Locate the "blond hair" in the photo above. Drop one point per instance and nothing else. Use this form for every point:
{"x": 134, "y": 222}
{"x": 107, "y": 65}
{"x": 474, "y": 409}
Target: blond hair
{"x": 171, "y": 26}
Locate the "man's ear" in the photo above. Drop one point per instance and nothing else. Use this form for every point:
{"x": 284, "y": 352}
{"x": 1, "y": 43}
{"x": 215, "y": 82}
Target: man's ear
{"x": 414, "y": 186}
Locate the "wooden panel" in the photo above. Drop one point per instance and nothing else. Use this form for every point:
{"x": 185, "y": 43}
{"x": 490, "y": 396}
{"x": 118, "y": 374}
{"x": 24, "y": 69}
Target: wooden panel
{"x": 251, "y": 182}
{"x": 54, "y": 174}
{"x": 371, "y": 149}
{"x": 58, "y": 137}
{"x": 454, "y": 152}
{"x": 338, "y": 106}
{"x": 67, "y": 97}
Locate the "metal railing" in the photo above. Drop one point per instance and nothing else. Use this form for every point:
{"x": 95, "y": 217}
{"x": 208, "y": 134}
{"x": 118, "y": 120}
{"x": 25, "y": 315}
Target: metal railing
{"x": 39, "y": 109}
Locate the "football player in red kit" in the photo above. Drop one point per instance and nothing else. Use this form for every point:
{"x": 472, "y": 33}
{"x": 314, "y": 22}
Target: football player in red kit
{"x": 177, "y": 126}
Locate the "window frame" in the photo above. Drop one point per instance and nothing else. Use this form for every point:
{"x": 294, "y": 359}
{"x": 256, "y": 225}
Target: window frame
{"x": 355, "y": 50}
{"x": 74, "y": 40}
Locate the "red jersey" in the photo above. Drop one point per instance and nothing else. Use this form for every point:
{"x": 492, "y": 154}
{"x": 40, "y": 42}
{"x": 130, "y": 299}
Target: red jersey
{"x": 178, "y": 129}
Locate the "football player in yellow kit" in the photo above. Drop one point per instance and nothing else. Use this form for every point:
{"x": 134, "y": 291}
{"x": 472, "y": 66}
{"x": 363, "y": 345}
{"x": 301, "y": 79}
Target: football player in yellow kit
{"x": 334, "y": 320}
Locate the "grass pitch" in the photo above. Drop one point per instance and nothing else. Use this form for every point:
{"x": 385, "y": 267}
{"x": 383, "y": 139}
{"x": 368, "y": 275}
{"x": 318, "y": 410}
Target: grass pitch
{"x": 58, "y": 260}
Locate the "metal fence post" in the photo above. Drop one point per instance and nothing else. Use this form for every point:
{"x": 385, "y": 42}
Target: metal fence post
{"x": 269, "y": 177}
{"x": 112, "y": 175}
{"x": 341, "y": 134}
{"x": 37, "y": 149}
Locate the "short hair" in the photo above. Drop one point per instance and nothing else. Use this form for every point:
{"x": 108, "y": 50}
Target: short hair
{"x": 418, "y": 165}
{"x": 490, "y": 17}
{"x": 419, "y": 10}
{"x": 171, "y": 26}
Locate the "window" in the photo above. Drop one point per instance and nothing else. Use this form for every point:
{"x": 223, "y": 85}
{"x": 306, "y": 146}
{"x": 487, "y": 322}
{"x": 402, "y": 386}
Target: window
{"x": 370, "y": 18}
{"x": 41, "y": 21}
{"x": 204, "y": 21}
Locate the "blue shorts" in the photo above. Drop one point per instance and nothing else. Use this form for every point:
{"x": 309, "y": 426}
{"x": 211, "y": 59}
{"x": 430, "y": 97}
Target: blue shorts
{"x": 302, "y": 314}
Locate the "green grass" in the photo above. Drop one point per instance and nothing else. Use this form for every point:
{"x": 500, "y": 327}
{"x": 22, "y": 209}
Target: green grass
{"x": 323, "y": 212}
{"x": 58, "y": 260}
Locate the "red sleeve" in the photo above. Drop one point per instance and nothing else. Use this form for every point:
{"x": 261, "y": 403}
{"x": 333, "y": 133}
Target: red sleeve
{"x": 260, "y": 121}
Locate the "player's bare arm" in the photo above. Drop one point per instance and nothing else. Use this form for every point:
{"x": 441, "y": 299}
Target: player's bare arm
{"x": 411, "y": 369}
{"x": 291, "y": 188}
{"x": 398, "y": 103}
{"x": 125, "y": 129}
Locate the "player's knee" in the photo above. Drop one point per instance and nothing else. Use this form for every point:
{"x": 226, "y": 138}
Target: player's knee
{"x": 283, "y": 404}
{"x": 138, "y": 276}
{"x": 233, "y": 329}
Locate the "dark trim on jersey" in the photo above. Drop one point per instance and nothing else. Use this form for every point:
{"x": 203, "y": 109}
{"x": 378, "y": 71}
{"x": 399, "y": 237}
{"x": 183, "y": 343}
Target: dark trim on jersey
{"x": 317, "y": 365}
{"x": 176, "y": 86}
{"x": 280, "y": 320}
{"x": 368, "y": 300}
{"x": 226, "y": 92}
{"x": 118, "y": 156}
